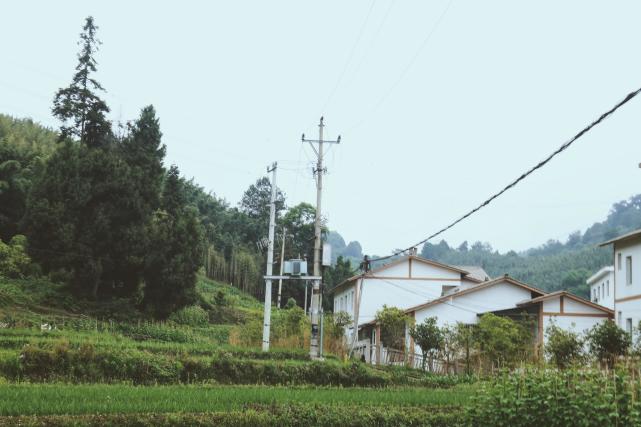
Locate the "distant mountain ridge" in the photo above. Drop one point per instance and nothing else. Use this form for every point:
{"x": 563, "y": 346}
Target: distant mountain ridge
{"x": 554, "y": 265}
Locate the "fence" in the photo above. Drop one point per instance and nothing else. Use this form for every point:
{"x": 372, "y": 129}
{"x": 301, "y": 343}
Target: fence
{"x": 379, "y": 355}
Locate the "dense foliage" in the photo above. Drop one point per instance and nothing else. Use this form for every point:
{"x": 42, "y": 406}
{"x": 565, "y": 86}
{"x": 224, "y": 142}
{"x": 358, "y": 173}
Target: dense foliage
{"x": 393, "y": 322}
{"x": 429, "y": 337}
{"x": 563, "y": 347}
{"x": 559, "y": 398}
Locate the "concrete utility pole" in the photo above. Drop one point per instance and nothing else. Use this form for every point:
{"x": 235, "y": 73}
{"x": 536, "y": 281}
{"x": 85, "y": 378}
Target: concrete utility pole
{"x": 282, "y": 262}
{"x": 270, "y": 261}
{"x": 318, "y": 172}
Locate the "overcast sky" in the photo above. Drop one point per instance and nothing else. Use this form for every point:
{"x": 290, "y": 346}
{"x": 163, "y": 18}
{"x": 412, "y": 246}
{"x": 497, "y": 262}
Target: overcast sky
{"x": 439, "y": 103}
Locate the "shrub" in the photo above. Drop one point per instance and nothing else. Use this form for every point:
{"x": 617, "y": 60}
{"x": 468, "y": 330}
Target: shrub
{"x": 156, "y": 331}
{"x": 14, "y": 260}
{"x": 429, "y": 337}
{"x": 393, "y": 321}
{"x": 192, "y": 315}
{"x": 558, "y": 398}
{"x": 607, "y": 342}
{"x": 502, "y": 341}
{"x": 563, "y": 347}
{"x": 64, "y": 362}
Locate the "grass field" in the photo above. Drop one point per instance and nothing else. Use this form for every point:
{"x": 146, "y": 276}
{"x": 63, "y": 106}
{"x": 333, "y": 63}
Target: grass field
{"x": 85, "y": 369}
{"x": 58, "y": 399}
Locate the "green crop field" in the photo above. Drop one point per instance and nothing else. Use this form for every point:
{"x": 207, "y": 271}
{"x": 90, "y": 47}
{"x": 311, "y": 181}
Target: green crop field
{"x": 49, "y": 399}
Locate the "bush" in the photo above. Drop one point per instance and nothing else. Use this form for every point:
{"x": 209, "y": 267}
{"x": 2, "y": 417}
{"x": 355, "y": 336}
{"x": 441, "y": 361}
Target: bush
{"x": 393, "y": 321}
{"x": 192, "y": 315}
{"x": 14, "y": 260}
{"x": 563, "y": 347}
{"x": 502, "y": 341}
{"x": 63, "y": 362}
{"x": 607, "y": 342}
{"x": 156, "y": 331}
{"x": 558, "y": 398}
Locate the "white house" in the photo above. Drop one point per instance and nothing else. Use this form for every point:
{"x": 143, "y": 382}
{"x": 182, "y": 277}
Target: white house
{"x": 465, "y": 305}
{"x": 602, "y": 287}
{"x": 627, "y": 279}
{"x": 565, "y": 310}
{"x": 403, "y": 283}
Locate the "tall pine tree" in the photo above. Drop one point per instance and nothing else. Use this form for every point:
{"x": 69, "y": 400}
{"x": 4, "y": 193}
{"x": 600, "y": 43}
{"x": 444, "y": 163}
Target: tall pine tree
{"x": 81, "y": 110}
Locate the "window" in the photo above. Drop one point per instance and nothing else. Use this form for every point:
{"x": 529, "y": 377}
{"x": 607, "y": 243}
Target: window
{"x": 628, "y": 270}
{"x": 619, "y": 260}
{"x": 628, "y": 325}
{"x": 602, "y": 291}
{"x": 607, "y": 287}
{"x": 620, "y": 319}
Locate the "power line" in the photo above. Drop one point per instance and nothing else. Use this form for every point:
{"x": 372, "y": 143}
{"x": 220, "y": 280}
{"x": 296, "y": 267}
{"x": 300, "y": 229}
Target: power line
{"x": 349, "y": 58}
{"x": 407, "y": 68}
{"x": 512, "y": 184}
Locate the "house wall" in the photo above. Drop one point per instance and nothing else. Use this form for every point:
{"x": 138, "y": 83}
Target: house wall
{"x": 552, "y": 305}
{"x": 627, "y": 297}
{"x": 578, "y": 324}
{"x": 399, "y": 293}
{"x": 602, "y": 291}
{"x": 344, "y": 300}
{"x": 576, "y": 316}
{"x": 466, "y": 308}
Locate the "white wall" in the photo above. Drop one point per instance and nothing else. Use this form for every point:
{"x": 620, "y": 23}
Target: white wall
{"x": 344, "y": 300}
{"x": 552, "y": 305}
{"x": 578, "y": 324}
{"x": 602, "y": 291}
{"x": 465, "y": 308}
{"x": 421, "y": 269}
{"x": 627, "y": 309}
{"x": 397, "y": 293}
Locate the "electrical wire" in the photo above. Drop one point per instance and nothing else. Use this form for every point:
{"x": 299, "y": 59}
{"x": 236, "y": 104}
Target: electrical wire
{"x": 349, "y": 58}
{"x": 527, "y": 173}
{"x": 406, "y": 69}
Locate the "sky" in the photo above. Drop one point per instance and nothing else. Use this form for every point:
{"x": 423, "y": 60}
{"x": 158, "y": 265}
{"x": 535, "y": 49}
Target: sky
{"x": 438, "y": 103}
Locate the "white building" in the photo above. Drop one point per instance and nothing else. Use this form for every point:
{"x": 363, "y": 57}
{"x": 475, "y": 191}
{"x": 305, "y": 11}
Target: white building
{"x": 466, "y": 305}
{"x": 627, "y": 279}
{"x": 565, "y": 310}
{"x": 602, "y": 287}
{"x": 403, "y": 283}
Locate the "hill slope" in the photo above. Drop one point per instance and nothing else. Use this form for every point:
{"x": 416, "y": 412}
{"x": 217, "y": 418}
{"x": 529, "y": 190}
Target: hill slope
{"x": 553, "y": 265}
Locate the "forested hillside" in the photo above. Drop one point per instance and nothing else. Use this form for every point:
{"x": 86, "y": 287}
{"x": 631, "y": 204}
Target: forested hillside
{"x": 553, "y": 265}
{"x": 99, "y": 212}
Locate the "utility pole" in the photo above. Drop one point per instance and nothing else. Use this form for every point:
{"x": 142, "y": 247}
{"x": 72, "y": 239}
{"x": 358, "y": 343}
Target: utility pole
{"x": 282, "y": 262}
{"x": 318, "y": 172}
{"x": 270, "y": 261}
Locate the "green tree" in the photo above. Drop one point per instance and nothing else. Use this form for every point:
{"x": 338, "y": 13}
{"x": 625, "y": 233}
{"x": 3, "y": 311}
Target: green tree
{"x": 563, "y": 348}
{"x": 175, "y": 252}
{"x": 392, "y": 321}
{"x": 77, "y": 208}
{"x": 81, "y": 110}
{"x": 464, "y": 337}
{"x": 607, "y": 342}
{"x": 14, "y": 260}
{"x": 23, "y": 144}
{"x": 429, "y": 337}
{"x": 502, "y": 341}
